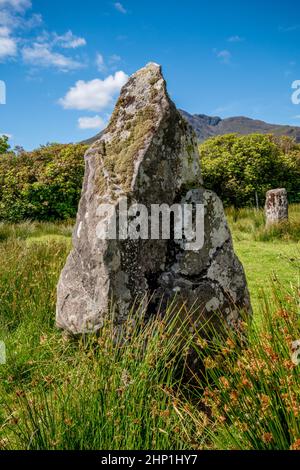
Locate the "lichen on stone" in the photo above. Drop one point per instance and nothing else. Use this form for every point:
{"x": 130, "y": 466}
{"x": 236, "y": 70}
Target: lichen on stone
{"x": 120, "y": 153}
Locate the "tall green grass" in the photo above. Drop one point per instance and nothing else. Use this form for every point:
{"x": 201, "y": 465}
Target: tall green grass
{"x": 250, "y": 223}
{"x": 254, "y": 392}
{"x": 103, "y": 394}
{"x": 27, "y": 230}
{"x": 96, "y": 393}
{"x": 100, "y": 392}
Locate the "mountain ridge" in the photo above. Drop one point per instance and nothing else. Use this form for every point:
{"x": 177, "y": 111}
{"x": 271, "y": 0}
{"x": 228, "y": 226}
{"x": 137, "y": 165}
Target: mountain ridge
{"x": 210, "y": 126}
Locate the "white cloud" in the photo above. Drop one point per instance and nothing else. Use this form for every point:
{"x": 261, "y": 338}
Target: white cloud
{"x": 6, "y": 18}
{"x": 235, "y": 38}
{"x": 32, "y": 22}
{"x": 224, "y": 56}
{"x": 69, "y": 40}
{"x": 8, "y": 45}
{"x": 18, "y": 5}
{"x": 100, "y": 63}
{"x": 114, "y": 59}
{"x": 12, "y": 18}
{"x": 15, "y": 19}
{"x": 42, "y": 51}
{"x": 120, "y": 8}
{"x": 42, "y": 55}
{"x": 111, "y": 65}
{"x": 95, "y": 122}
{"x": 4, "y": 31}
{"x": 288, "y": 29}
{"x": 95, "y": 95}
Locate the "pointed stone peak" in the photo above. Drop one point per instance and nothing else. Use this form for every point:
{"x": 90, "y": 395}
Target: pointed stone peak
{"x": 145, "y": 132}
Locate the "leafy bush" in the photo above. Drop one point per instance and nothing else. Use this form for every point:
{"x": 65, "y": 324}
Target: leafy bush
{"x": 45, "y": 184}
{"x": 236, "y": 167}
{"x": 41, "y": 185}
{"x": 4, "y": 145}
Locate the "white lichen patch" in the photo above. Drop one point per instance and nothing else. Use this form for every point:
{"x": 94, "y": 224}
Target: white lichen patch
{"x": 223, "y": 276}
{"x": 213, "y": 304}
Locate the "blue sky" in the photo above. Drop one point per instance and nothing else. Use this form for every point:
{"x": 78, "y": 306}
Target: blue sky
{"x": 64, "y": 61}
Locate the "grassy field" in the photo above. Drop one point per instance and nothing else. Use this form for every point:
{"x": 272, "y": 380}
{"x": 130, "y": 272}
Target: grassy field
{"x": 136, "y": 399}
{"x": 268, "y": 256}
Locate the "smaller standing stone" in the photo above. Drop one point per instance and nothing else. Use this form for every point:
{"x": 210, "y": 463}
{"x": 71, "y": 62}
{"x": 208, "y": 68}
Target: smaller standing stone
{"x": 277, "y": 207}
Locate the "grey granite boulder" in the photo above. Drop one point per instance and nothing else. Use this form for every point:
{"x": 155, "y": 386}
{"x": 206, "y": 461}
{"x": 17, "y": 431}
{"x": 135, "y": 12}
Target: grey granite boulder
{"x": 147, "y": 156}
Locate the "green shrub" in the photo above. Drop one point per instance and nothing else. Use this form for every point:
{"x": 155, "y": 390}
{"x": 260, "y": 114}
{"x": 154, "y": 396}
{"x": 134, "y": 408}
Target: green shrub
{"x": 45, "y": 184}
{"x": 41, "y": 185}
{"x": 4, "y": 145}
{"x": 236, "y": 167}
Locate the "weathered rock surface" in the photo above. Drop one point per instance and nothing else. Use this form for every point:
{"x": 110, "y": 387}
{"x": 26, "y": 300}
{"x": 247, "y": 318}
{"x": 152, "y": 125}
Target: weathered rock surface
{"x": 277, "y": 206}
{"x": 210, "y": 280}
{"x": 149, "y": 155}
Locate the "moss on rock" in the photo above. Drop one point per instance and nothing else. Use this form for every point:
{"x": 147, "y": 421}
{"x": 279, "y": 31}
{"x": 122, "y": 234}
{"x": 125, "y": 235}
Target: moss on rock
{"x": 118, "y": 155}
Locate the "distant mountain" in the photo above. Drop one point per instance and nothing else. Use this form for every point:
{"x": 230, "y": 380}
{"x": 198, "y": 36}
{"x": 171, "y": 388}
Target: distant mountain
{"x": 210, "y": 126}
{"x": 207, "y": 126}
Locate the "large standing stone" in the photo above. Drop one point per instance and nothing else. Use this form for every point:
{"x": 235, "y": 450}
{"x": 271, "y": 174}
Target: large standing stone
{"x": 149, "y": 155}
{"x": 277, "y": 206}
